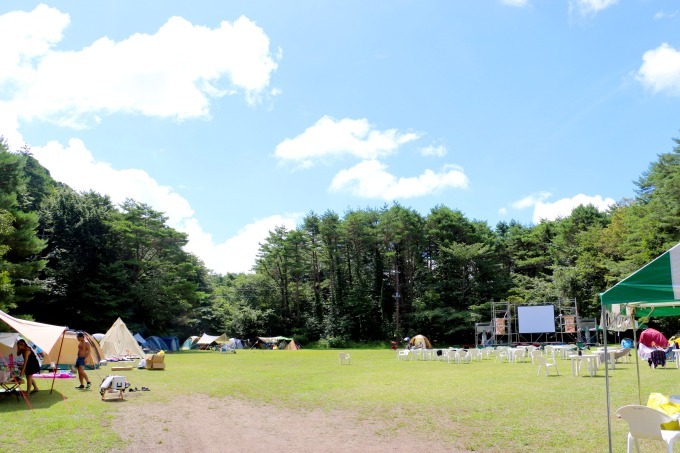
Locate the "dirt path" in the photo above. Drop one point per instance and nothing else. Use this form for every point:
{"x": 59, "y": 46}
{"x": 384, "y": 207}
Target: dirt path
{"x": 198, "y": 423}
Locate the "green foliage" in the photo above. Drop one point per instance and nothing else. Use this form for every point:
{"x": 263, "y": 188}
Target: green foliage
{"x": 366, "y": 276}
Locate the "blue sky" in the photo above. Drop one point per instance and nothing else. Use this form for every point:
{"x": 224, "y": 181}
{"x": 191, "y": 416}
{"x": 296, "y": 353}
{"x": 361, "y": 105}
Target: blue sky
{"x": 234, "y": 117}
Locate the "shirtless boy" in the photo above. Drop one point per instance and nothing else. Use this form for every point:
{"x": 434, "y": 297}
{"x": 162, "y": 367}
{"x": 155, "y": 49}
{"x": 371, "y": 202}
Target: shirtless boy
{"x": 83, "y": 353}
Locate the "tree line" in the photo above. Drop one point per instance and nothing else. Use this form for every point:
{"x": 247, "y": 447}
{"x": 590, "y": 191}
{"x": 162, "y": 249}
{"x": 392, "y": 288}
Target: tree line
{"x": 371, "y": 274}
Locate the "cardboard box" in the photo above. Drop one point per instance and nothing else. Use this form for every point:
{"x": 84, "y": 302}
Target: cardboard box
{"x": 155, "y": 361}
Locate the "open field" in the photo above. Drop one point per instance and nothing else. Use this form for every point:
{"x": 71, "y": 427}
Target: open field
{"x": 481, "y": 406}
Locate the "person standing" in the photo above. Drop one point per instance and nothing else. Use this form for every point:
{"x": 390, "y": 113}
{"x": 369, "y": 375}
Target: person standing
{"x": 83, "y": 353}
{"x": 31, "y": 365}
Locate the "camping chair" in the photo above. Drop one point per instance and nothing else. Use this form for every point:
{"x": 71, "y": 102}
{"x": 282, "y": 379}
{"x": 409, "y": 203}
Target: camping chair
{"x": 502, "y": 354}
{"x": 645, "y": 423}
{"x": 343, "y": 357}
{"x": 519, "y": 355}
{"x": 546, "y": 363}
{"x": 449, "y": 355}
{"x": 623, "y": 354}
{"x": 476, "y": 354}
{"x": 549, "y": 351}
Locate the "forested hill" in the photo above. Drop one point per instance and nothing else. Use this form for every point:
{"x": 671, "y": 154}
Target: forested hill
{"x": 77, "y": 259}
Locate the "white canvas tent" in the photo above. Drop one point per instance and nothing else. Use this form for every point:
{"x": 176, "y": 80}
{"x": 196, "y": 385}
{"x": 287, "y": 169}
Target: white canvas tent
{"x": 207, "y": 340}
{"x": 119, "y": 342}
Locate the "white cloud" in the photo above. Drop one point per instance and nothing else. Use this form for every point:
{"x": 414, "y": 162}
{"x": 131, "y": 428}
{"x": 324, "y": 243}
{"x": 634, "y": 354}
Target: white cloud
{"x": 660, "y": 70}
{"x": 516, "y": 3}
{"x": 433, "y": 150}
{"x": 75, "y": 166}
{"x": 666, "y": 15}
{"x": 331, "y": 138}
{"x": 172, "y": 73}
{"x": 560, "y": 208}
{"x": 238, "y": 253}
{"x": 531, "y": 200}
{"x": 25, "y": 37}
{"x": 369, "y": 179}
{"x": 590, "y": 7}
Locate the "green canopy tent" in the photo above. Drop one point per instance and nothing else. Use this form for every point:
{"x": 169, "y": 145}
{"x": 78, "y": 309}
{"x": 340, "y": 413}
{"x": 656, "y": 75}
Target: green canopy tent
{"x": 653, "y": 290}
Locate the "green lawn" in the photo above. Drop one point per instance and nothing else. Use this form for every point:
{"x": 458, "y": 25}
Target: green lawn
{"x": 489, "y": 406}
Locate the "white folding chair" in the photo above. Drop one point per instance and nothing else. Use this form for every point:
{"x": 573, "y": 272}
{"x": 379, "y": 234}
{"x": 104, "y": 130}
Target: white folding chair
{"x": 403, "y": 354}
{"x": 343, "y": 357}
{"x": 547, "y": 364}
{"x": 645, "y": 423}
{"x": 476, "y": 354}
{"x": 464, "y": 356}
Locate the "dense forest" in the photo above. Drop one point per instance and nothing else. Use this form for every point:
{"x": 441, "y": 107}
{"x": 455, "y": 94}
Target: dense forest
{"x": 371, "y": 274}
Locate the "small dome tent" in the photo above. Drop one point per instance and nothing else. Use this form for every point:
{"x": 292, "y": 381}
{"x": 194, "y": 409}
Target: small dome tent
{"x": 156, "y": 344}
{"x": 172, "y": 343}
{"x": 420, "y": 341}
{"x": 190, "y": 343}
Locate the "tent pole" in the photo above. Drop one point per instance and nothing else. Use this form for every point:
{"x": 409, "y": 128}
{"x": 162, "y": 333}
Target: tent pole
{"x": 54, "y": 373}
{"x": 637, "y": 355}
{"x": 606, "y": 375}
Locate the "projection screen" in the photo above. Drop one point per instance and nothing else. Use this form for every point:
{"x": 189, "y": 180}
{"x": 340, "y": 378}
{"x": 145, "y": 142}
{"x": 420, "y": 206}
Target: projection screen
{"x": 536, "y": 319}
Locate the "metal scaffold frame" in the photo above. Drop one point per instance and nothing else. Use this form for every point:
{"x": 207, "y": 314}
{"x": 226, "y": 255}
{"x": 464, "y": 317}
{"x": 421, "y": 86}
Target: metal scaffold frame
{"x": 504, "y": 326}
{"x": 503, "y": 323}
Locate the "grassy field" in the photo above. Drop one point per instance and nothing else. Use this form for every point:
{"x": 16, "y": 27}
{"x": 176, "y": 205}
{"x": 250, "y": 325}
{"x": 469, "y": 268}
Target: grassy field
{"x": 484, "y": 405}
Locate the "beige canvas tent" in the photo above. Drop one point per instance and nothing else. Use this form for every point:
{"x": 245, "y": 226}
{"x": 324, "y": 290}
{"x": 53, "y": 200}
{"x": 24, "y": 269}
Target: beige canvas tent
{"x": 206, "y": 340}
{"x": 45, "y": 336}
{"x": 420, "y": 341}
{"x": 61, "y": 344}
{"x": 69, "y": 351}
{"x": 119, "y": 342}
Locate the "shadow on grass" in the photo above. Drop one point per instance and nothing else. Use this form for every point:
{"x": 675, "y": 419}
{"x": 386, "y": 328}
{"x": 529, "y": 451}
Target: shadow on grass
{"x": 41, "y": 400}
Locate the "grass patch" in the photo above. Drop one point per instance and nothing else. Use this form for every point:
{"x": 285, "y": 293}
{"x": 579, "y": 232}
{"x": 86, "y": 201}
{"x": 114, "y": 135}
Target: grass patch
{"x": 483, "y": 405}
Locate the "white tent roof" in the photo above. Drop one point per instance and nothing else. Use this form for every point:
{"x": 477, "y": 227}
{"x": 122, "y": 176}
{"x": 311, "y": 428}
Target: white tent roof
{"x": 207, "y": 339}
{"x": 119, "y": 342}
{"x": 45, "y": 336}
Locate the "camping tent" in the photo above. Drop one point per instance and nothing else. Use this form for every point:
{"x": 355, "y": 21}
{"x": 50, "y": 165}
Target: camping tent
{"x": 206, "y": 340}
{"x": 8, "y": 346}
{"x": 155, "y": 344}
{"x": 61, "y": 344}
{"x": 190, "y": 343}
{"x": 172, "y": 343}
{"x": 69, "y": 352}
{"x": 44, "y": 336}
{"x": 420, "y": 341}
{"x": 139, "y": 339}
{"x": 118, "y": 342}
{"x": 653, "y": 290}
{"x": 280, "y": 343}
